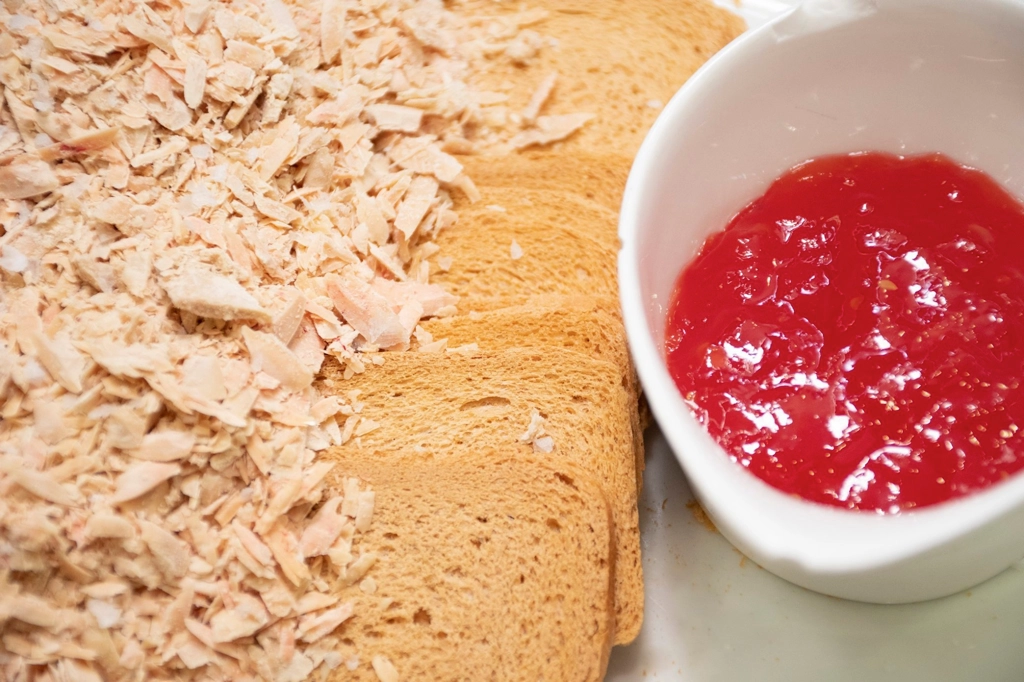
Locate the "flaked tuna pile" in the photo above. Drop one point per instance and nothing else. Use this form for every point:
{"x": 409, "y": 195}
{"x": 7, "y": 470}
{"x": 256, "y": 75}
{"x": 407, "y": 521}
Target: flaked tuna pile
{"x": 198, "y": 203}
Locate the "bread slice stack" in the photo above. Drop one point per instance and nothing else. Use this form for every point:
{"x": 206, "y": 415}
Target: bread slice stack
{"x": 494, "y": 459}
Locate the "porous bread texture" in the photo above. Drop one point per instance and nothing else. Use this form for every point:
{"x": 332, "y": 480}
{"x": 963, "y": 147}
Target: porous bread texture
{"x": 619, "y": 59}
{"x": 555, "y": 260}
{"x": 589, "y": 175}
{"x": 580, "y": 323}
{"x": 489, "y": 567}
{"x": 502, "y": 206}
{"x": 586, "y": 324}
{"x": 443, "y": 405}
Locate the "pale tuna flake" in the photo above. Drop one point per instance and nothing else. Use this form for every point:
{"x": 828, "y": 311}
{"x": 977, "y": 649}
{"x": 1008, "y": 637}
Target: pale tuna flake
{"x": 385, "y": 669}
{"x": 19, "y": 22}
{"x": 106, "y": 614}
{"x": 13, "y": 260}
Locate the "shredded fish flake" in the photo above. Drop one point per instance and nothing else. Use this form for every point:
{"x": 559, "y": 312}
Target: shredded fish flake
{"x": 536, "y": 435}
{"x": 385, "y": 669}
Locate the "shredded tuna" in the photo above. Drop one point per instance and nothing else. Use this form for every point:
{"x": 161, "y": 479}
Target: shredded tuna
{"x": 539, "y": 98}
{"x": 27, "y": 177}
{"x": 199, "y": 203}
{"x": 548, "y": 129}
{"x": 536, "y": 435}
{"x": 385, "y": 670}
{"x": 141, "y": 478}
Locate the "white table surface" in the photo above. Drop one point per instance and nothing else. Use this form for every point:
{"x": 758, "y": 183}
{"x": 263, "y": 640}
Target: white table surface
{"x": 713, "y": 615}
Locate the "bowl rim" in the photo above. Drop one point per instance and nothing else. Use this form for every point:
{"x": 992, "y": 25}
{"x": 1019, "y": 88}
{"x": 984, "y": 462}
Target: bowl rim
{"x": 735, "y": 511}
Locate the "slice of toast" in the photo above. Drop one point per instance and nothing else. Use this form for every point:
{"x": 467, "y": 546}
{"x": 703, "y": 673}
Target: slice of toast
{"x": 504, "y": 206}
{"x": 489, "y": 567}
{"x": 597, "y": 177}
{"x": 551, "y": 260}
{"x": 445, "y": 405}
{"x": 580, "y": 323}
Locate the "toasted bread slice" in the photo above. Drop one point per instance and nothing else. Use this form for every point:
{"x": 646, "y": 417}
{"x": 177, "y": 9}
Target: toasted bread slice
{"x": 620, "y": 60}
{"x": 489, "y": 567}
{"x": 502, "y": 206}
{"x": 581, "y": 323}
{"x": 446, "y": 405}
{"x": 597, "y": 177}
{"x": 551, "y": 259}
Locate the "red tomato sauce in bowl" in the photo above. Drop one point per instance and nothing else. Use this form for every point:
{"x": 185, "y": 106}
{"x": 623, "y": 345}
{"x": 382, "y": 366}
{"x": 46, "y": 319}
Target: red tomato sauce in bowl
{"x": 855, "y": 336}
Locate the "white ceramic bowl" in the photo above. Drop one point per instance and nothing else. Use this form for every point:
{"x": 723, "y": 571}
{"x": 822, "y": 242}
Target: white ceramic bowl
{"x": 903, "y": 76}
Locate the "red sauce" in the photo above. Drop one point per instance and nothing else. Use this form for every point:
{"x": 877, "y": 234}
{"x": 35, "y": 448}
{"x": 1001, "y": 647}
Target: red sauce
{"x": 856, "y": 335}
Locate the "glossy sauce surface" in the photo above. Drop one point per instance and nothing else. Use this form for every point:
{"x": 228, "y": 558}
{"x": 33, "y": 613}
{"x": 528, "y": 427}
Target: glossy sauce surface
{"x": 856, "y": 335}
